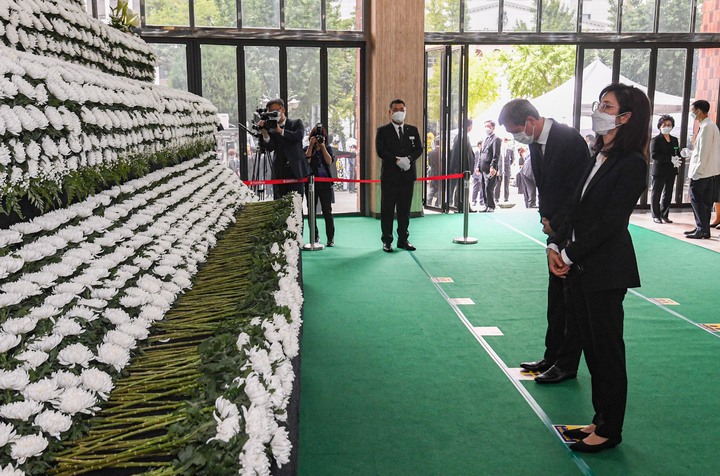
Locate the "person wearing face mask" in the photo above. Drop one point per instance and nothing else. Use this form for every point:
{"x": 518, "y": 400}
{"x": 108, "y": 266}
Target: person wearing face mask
{"x": 559, "y": 156}
{"x": 664, "y": 150}
{"x": 461, "y": 159}
{"x": 593, "y": 252}
{"x": 703, "y": 169}
{"x": 488, "y": 164}
{"x": 398, "y": 145}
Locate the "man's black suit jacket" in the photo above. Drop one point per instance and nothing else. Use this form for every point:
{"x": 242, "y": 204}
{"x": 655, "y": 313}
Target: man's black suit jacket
{"x": 558, "y": 170}
{"x": 489, "y": 154}
{"x": 602, "y": 245}
{"x": 388, "y": 146}
{"x": 288, "y": 148}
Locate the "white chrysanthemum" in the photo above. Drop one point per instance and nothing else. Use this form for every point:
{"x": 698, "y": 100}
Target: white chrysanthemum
{"x": 75, "y": 354}
{"x": 138, "y": 328}
{"x": 260, "y": 361}
{"x": 281, "y": 446}
{"x": 66, "y": 326}
{"x": 7, "y": 434}
{"x": 28, "y": 447}
{"x": 242, "y": 340}
{"x": 254, "y": 460}
{"x": 77, "y": 400}
{"x": 43, "y": 312}
{"x": 120, "y": 338}
{"x": 19, "y": 325}
{"x": 97, "y": 381}
{"x": 10, "y": 470}
{"x": 256, "y": 391}
{"x": 82, "y": 312}
{"x": 104, "y": 294}
{"x": 66, "y": 379}
{"x": 10, "y": 299}
{"x": 59, "y": 300}
{"x": 53, "y": 423}
{"x": 16, "y": 379}
{"x": 69, "y": 288}
{"x": 152, "y": 313}
{"x": 113, "y": 355}
{"x": 94, "y": 303}
{"x": 32, "y": 358}
{"x": 116, "y": 316}
{"x": 8, "y": 341}
{"x": 45, "y": 390}
{"x": 20, "y": 410}
{"x": 46, "y": 343}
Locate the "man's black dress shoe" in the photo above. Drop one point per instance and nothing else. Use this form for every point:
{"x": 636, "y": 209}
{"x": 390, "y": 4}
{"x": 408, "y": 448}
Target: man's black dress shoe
{"x": 487, "y": 210}
{"x": 694, "y": 230}
{"x": 576, "y": 434}
{"x": 537, "y": 366}
{"x": 698, "y": 236}
{"x": 667, "y": 220}
{"x": 583, "y": 447}
{"x": 657, "y": 220}
{"x": 387, "y": 248}
{"x": 555, "y": 375}
{"x": 406, "y": 246}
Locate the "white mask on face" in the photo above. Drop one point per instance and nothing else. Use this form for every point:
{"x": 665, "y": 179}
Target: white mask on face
{"x": 602, "y": 122}
{"x": 488, "y": 131}
{"x": 693, "y": 115}
{"x": 524, "y": 138}
{"x": 398, "y": 116}
{"x": 665, "y": 130}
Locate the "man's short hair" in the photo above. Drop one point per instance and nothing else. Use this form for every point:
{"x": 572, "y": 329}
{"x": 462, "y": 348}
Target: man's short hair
{"x": 273, "y": 102}
{"x": 396, "y": 101}
{"x": 491, "y": 122}
{"x": 516, "y": 112}
{"x": 702, "y": 104}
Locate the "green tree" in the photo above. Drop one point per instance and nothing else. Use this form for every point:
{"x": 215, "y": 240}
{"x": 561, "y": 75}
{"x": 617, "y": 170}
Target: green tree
{"x": 442, "y": 15}
{"x": 532, "y": 70}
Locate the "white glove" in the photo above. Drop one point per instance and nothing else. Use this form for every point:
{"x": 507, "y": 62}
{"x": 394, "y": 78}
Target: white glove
{"x": 676, "y": 161}
{"x": 685, "y": 152}
{"x": 403, "y": 163}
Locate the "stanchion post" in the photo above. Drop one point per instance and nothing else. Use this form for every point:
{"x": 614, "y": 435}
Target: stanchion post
{"x": 465, "y": 239}
{"x": 312, "y": 246}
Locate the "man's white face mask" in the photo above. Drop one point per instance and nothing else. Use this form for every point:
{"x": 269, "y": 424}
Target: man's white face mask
{"x": 398, "y": 116}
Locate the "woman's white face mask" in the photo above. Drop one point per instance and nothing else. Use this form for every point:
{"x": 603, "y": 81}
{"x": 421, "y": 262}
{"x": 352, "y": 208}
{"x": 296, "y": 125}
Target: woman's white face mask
{"x": 602, "y": 122}
{"x": 665, "y": 130}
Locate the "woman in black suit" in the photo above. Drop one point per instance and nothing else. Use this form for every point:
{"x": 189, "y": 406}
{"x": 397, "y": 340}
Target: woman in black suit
{"x": 594, "y": 252}
{"x": 663, "y": 147}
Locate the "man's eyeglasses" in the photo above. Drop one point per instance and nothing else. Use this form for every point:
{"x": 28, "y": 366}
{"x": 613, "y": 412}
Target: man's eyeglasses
{"x": 602, "y": 106}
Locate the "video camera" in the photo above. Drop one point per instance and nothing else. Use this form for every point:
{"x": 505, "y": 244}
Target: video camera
{"x": 318, "y": 132}
{"x": 271, "y": 119}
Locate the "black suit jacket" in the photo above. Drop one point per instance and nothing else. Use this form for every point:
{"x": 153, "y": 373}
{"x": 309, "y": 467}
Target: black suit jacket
{"x": 599, "y": 218}
{"x": 288, "y": 149}
{"x": 489, "y": 154}
{"x": 388, "y": 146}
{"x": 558, "y": 170}
{"x": 661, "y": 153}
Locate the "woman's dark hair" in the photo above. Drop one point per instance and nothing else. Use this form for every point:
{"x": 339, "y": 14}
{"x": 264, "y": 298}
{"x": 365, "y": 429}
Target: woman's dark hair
{"x": 632, "y": 136}
{"x": 314, "y": 132}
{"x": 663, "y": 118}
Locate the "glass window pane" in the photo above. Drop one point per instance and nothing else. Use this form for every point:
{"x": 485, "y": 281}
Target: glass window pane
{"x": 344, "y": 123}
{"x": 559, "y": 15}
{"x": 302, "y": 14}
{"x": 482, "y": 15}
{"x": 434, "y": 190}
{"x": 441, "y": 15}
{"x": 599, "y": 15}
{"x": 634, "y": 66}
{"x": 220, "y": 13}
{"x": 638, "y": 15}
{"x": 260, "y": 13}
{"x": 303, "y": 76}
{"x": 344, "y": 14}
{"x": 520, "y": 16}
{"x": 104, "y": 7}
{"x": 88, "y": 6}
{"x": 674, "y": 16}
{"x": 167, "y": 12}
{"x": 597, "y": 73}
{"x": 670, "y": 77}
{"x": 171, "y": 68}
{"x": 706, "y": 18}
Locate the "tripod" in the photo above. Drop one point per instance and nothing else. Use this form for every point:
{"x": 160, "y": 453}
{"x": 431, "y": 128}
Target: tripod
{"x": 261, "y": 166}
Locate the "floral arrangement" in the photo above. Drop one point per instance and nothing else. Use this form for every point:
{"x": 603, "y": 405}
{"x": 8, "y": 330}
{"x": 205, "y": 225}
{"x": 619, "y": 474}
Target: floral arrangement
{"x": 123, "y": 17}
{"x": 63, "y": 29}
{"x": 65, "y": 128}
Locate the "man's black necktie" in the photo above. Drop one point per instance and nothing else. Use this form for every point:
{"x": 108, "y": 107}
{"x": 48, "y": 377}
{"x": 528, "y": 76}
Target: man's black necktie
{"x": 400, "y": 133}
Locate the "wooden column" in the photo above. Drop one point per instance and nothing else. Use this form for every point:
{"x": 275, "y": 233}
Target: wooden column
{"x": 395, "y": 61}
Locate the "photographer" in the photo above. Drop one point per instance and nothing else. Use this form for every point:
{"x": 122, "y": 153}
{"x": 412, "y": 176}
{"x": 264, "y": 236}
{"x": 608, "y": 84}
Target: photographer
{"x": 284, "y": 136}
{"x": 321, "y": 161}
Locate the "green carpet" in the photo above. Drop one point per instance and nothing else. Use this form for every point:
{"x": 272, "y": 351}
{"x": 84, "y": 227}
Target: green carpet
{"x": 393, "y": 383}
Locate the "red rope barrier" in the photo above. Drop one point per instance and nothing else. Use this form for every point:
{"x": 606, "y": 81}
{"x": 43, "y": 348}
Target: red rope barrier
{"x": 330, "y": 179}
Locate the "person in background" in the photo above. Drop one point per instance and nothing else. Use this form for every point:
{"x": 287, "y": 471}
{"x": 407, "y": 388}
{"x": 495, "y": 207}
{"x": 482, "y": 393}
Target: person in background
{"x": 478, "y": 193}
{"x": 461, "y": 159}
{"x": 233, "y": 162}
{"x": 321, "y": 160}
{"x": 590, "y": 140}
{"x": 664, "y": 152}
{"x": 593, "y": 252}
{"x": 559, "y": 158}
{"x": 398, "y": 146}
{"x": 488, "y": 165}
{"x": 704, "y": 166}
{"x": 433, "y": 158}
{"x": 525, "y": 180}
{"x": 504, "y": 166}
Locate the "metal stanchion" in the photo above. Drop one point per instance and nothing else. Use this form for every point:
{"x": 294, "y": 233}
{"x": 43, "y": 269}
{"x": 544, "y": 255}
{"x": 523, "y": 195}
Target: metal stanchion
{"x": 312, "y": 246}
{"x": 465, "y": 239}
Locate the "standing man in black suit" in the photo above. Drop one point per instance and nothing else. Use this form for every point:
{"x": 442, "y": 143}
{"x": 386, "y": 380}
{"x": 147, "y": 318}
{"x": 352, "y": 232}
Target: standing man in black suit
{"x": 488, "y": 164}
{"x": 560, "y": 156}
{"x": 285, "y": 140}
{"x": 398, "y": 145}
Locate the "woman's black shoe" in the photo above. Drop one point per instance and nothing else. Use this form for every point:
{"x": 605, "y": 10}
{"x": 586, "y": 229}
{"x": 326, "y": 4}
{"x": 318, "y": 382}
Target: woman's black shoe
{"x": 583, "y": 447}
{"x": 576, "y": 434}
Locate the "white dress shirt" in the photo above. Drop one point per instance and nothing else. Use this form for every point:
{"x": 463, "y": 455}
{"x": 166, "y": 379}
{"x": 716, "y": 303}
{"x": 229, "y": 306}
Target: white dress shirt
{"x": 705, "y": 158}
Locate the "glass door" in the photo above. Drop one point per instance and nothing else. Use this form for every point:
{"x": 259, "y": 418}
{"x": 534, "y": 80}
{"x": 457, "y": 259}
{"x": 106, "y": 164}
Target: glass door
{"x": 446, "y": 114}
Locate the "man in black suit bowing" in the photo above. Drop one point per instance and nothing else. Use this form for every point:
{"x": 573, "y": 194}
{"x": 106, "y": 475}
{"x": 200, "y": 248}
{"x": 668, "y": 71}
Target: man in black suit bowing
{"x": 398, "y": 145}
{"x": 285, "y": 140}
{"x": 560, "y": 156}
